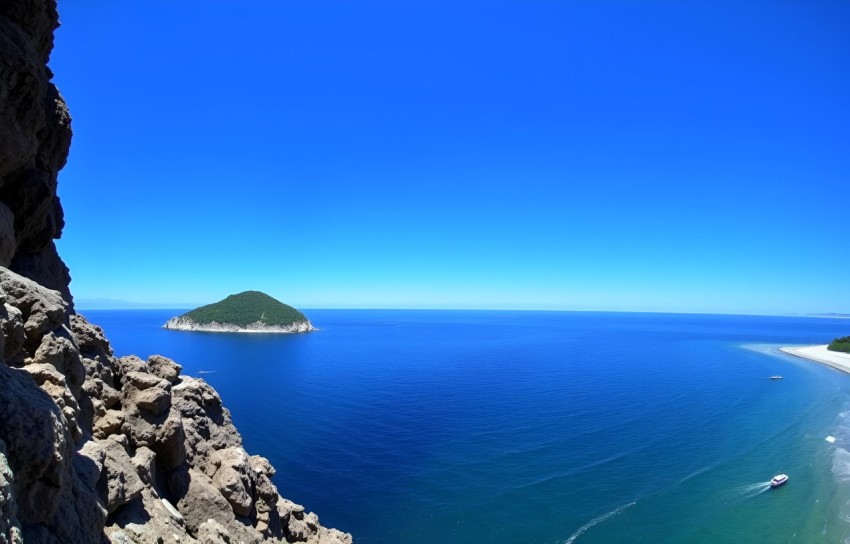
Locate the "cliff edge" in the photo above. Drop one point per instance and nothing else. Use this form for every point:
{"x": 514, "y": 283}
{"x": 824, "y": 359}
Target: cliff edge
{"x": 95, "y": 448}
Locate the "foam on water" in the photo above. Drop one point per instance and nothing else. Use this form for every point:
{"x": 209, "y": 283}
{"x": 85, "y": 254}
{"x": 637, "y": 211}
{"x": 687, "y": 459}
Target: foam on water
{"x": 752, "y": 490}
{"x": 841, "y": 459}
{"x": 597, "y": 520}
{"x": 840, "y": 455}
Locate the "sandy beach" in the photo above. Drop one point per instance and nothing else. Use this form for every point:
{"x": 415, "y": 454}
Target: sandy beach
{"x": 820, "y": 354}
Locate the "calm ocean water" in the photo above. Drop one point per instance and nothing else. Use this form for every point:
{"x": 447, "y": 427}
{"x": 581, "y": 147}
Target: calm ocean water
{"x": 535, "y": 427}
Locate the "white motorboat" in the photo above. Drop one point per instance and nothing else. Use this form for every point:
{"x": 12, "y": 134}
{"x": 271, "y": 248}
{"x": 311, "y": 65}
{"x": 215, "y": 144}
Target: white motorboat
{"x": 778, "y": 480}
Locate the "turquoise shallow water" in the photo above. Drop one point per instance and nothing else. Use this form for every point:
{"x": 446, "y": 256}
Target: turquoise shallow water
{"x": 536, "y": 427}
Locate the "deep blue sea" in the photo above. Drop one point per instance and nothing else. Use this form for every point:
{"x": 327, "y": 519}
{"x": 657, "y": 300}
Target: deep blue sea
{"x": 464, "y": 427}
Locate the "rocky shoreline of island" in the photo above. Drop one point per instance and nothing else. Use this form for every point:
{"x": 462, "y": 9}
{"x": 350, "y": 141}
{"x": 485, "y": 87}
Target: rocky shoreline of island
{"x": 183, "y": 323}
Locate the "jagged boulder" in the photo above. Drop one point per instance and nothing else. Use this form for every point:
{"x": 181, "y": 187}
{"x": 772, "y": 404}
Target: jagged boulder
{"x": 12, "y": 327}
{"x": 170, "y": 445}
{"x": 301, "y": 526}
{"x": 202, "y": 501}
{"x": 213, "y": 532}
{"x": 57, "y": 349}
{"x": 89, "y": 461}
{"x": 145, "y": 462}
{"x": 164, "y": 368}
{"x": 232, "y": 477}
{"x": 109, "y": 423}
{"x": 146, "y": 391}
{"x": 90, "y": 339}
{"x": 120, "y": 480}
{"x": 42, "y": 310}
{"x": 38, "y": 443}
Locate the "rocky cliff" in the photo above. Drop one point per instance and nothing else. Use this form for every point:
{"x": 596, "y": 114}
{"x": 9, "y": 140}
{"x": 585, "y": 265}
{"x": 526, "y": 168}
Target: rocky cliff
{"x": 94, "y": 448}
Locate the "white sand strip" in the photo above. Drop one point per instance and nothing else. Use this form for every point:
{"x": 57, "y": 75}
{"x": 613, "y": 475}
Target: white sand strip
{"x": 820, "y": 354}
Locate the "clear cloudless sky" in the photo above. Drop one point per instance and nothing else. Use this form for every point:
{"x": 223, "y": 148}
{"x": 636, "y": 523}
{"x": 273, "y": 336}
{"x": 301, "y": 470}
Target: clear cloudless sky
{"x": 599, "y": 155}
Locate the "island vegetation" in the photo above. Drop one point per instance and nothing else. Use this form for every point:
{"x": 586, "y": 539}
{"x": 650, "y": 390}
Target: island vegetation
{"x": 840, "y": 344}
{"x": 247, "y": 311}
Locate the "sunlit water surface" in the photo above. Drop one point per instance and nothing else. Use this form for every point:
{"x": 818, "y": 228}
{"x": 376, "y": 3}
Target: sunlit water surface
{"x": 535, "y": 427}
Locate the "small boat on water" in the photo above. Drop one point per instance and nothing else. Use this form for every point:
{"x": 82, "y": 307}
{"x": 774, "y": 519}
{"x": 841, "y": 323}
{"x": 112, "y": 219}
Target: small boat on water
{"x": 778, "y": 480}
{"x": 776, "y": 377}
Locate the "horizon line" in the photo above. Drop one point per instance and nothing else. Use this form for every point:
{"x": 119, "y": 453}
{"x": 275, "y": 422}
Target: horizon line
{"x": 816, "y": 315}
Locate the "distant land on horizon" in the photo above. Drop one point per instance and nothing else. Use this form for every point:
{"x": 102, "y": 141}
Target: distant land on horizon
{"x": 123, "y": 304}
{"x": 104, "y": 303}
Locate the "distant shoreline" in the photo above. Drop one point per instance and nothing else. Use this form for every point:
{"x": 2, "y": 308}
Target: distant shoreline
{"x": 819, "y": 354}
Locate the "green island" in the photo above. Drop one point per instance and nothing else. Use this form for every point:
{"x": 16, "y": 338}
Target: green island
{"x": 840, "y": 344}
{"x": 249, "y": 311}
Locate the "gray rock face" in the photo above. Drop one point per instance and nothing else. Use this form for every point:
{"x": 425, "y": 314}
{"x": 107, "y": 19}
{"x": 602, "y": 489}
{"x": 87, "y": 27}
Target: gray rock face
{"x": 119, "y": 477}
{"x": 46, "y": 268}
{"x": 8, "y": 245}
{"x": 232, "y": 478}
{"x": 42, "y": 310}
{"x": 93, "y": 448}
{"x": 164, "y": 368}
{"x": 38, "y": 443}
{"x": 35, "y": 136}
{"x": 10, "y": 527}
{"x": 96, "y": 446}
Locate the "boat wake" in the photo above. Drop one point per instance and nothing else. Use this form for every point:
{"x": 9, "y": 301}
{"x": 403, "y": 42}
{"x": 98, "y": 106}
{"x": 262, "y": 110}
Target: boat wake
{"x": 595, "y": 521}
{"x": 840, "y": 455}
{"x": 752, "y": 490}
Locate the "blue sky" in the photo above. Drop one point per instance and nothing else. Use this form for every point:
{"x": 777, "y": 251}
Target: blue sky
{"x": 595, "y": 155}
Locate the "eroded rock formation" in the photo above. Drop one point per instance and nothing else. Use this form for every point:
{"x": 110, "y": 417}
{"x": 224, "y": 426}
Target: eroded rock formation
{"x": 94, "y": 448}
